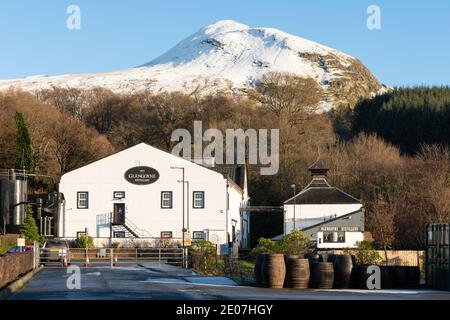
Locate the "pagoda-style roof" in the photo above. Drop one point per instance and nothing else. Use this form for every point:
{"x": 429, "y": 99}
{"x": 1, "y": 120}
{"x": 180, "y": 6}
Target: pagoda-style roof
{"x": 318, "y": 168}
{"x": 319, "y": 191}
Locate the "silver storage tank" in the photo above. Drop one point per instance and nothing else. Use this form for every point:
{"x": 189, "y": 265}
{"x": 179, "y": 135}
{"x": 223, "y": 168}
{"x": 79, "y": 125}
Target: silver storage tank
{"x": 19, "y": 195}
{"x": 13, "y": 195}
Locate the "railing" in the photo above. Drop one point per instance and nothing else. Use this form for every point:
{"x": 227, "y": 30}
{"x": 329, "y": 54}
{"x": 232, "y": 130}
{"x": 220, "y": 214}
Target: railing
{"x": 140, "y": 232}
{"x": 129, "y": 225}
{"x": 120, "y": 256}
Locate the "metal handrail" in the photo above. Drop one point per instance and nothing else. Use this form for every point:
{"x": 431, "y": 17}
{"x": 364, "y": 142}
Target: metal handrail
{"x": 136, "y": 229}
{"x": 132, "y": 226}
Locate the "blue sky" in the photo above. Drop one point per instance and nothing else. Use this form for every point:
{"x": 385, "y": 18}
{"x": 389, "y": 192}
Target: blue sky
{"x": 412, "y": 47}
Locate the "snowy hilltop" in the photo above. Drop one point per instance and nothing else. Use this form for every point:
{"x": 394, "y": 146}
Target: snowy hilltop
{"x": 228, "y": 56}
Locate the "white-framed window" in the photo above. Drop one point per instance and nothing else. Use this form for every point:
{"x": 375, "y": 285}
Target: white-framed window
{"x": 166, "y": 199}
{"x": 119, "y": 234}
{"x": 119, "y": 194}
{"x": 333, "y": 237}
{"x": 166, "y": 234}
{"x": 198, "y": 235}
{"x": 82, "y": 200}
{"x": 198, "y": 201}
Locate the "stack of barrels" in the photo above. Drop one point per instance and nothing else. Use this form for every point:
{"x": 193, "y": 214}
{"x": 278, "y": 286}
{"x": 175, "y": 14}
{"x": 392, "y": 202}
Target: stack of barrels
{"x": 327, "y": 272}
{"x": 399, "y": 277}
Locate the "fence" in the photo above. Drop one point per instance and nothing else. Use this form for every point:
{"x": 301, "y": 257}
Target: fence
{"x": 14, "y": 265}
{"x": 142, "y": 242}
{"x": 411, "y": 258}
{"x": 117, "y": 256}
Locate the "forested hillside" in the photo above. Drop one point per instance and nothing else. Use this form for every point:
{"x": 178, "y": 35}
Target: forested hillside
{"x": 407, "y": 117}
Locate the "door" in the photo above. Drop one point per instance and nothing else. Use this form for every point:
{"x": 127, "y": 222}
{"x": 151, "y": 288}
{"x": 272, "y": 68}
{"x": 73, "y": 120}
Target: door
{"x": 119, "y": 213}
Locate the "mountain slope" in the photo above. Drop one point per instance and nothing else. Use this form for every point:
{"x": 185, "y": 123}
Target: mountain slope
{"x": 227, "y": 56}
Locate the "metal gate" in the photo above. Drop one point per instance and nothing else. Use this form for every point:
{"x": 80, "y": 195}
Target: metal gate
{"x": 113, "y": 257}
{"x": 438, "y": 256}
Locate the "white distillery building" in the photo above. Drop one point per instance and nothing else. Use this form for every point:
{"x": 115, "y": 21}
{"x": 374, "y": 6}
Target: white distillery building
{"x": 329, "y": 216}
{"x": 144, "y": 192}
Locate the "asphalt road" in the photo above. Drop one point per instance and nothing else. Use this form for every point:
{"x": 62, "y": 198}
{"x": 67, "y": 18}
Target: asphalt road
{"x": 139, "y": 282}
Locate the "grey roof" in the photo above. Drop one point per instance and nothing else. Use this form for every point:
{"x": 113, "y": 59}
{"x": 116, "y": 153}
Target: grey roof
{"x": 342, "y": 217}
{"x": 319, "y": 191}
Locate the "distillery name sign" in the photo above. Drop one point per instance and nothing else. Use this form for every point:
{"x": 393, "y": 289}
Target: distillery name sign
{"x": 348, "y": 229}
{"x": 141, "y": 175}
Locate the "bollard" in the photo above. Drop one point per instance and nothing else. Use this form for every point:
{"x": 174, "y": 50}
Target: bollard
{"x": 87, "y": 263}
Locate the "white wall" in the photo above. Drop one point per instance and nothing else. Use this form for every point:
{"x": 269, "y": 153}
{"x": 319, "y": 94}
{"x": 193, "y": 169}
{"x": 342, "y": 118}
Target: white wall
{"x": 310, "y": 214}
{"x": 350, "y": 241}
{"x": 143, "y": 202}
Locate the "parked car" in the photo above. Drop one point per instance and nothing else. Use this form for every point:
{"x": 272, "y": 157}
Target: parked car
{"x": 17, "y": 249}
{"x": 54, "y": 250}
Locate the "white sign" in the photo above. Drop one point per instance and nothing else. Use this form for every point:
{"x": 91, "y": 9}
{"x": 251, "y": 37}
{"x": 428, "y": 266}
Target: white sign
{"x": 21, "y": 242}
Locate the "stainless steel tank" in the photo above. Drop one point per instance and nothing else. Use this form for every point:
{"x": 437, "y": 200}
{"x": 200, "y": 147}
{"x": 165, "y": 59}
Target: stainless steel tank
{"x": 13, "y": 197}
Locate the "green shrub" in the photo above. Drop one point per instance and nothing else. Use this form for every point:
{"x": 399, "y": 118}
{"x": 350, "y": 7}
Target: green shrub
{"x": 203, "y": 256}
{"x": 294, "y": 243}
{"x": 85, "y": 242}
{"x": 29, "y": 229}
{"x": 265, "y": 246}
{"x": 366, "y": 253}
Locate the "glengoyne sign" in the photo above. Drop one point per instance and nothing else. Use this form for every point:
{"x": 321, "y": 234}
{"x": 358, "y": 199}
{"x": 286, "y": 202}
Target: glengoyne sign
{"x": 141, "y": 175}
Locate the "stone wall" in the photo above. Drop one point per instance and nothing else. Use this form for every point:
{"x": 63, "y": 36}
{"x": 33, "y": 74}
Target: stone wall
{"x": 13, "y": 265}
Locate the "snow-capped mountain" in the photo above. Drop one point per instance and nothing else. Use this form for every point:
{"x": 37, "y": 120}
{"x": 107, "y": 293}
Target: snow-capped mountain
{"x": 227, "y": 56}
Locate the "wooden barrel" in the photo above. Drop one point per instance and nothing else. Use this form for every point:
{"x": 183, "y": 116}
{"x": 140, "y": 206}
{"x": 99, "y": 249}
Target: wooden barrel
{"x": 406, "y": 277}
{"x": 331, "y": 258}
{"x": 360, "y": 276}
{"x": 290, "y": 256}
{"x": 322, "y": 275}
{"x": 273, "y": 270}
{"x": 387, "y": 277}
{"x": 258, "y": 269}
{"x": 287, "y": 257}
{"x": 343, "y": 267}
{"x": 312, "y": 258}
{"x": 297, "y": 273}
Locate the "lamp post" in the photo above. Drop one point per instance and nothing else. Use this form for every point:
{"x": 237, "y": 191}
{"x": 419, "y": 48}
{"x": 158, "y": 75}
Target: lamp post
{"x": 183, "y": 228}
{"x": 293, "y": 186}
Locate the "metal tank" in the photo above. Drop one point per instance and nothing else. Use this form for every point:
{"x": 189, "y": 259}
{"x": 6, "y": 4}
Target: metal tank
{"x": 13, "y": 197}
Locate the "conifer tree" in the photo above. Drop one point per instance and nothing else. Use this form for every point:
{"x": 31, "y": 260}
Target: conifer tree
{"x": 29, "y": 229}
{"x": 24, "y": 156}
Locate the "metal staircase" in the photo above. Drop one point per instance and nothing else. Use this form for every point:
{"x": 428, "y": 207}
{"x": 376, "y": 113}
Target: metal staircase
{"x": 130, "y": 229}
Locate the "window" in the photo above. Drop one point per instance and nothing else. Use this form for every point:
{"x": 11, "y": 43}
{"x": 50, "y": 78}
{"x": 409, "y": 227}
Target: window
{"x": 334, "y": 237}
{"x": 119, "y": 194}
{"x": 119, "y": 234}
{"x": 198, "y": 235}
{"x": 166, "y": 234}
{"x": 166, "y": 199}
{"x": 81, "y": 234}
{"x": 82, "y": 200}
{"x": 198, "y": 200}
